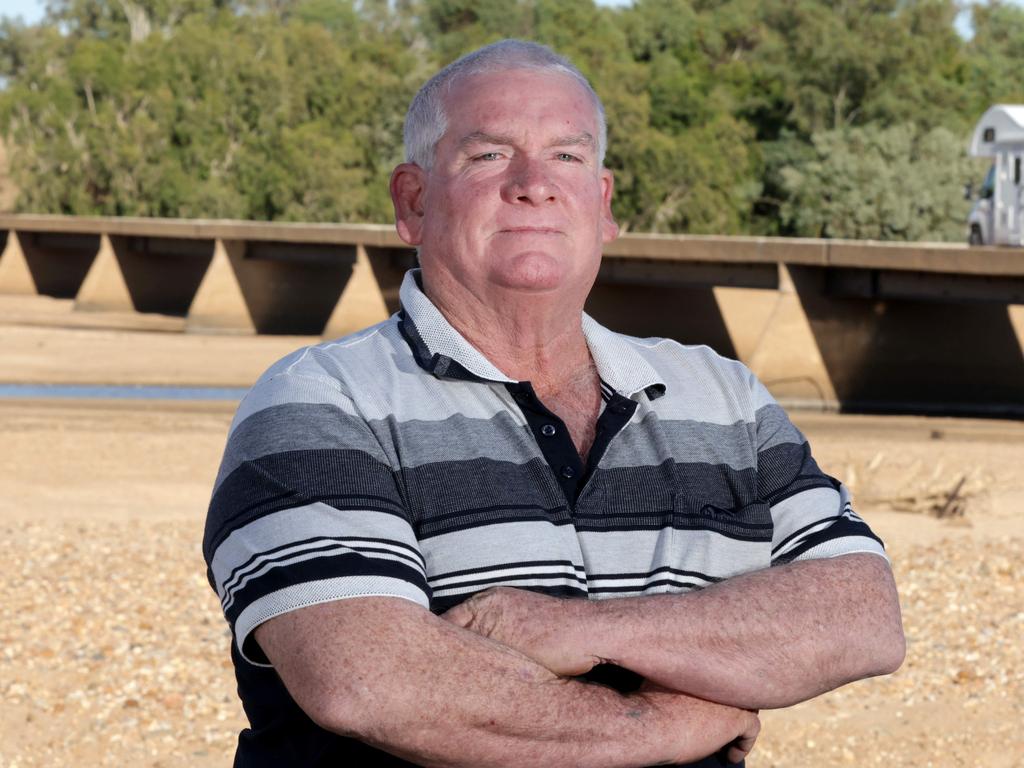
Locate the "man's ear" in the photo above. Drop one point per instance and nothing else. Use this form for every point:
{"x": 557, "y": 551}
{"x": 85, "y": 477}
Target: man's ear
{"x": 609, "y": 229}
{"x": 408, "y": 186}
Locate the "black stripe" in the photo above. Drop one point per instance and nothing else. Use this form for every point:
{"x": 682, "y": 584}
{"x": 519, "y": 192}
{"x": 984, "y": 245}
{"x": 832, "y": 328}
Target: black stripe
{"x": 644, "y": 587}
{"x": 470, "y": 521}
{"x": 328, "y": 543}
{"x": 804, "y": 529}
{"x": 557, "y": 512}
{"x": 804, "y": 483}
{"x": 342, "y": 478}
{"x": 278, "y": 561}
{"x": 843, "y": 528}
{"x": 327, "y": 567}
{"x": 787, "y": 469}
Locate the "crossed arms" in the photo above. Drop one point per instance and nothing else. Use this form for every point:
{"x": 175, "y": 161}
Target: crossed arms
{"x": 489, "y": 683}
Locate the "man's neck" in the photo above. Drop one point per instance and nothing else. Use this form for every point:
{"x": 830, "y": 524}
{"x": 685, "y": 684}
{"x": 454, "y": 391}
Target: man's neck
{"x": 537, "y": 338}
{"x": 529, "y": 337}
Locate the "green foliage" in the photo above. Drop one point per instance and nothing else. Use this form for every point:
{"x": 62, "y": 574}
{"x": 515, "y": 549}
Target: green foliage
{"x": 292, "y": 113}
{"x": 795, "y": 117}
{"x": 895, "y": 183}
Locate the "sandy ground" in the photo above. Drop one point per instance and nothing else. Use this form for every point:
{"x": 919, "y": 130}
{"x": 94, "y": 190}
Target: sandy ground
{"x": 113, "y": 650}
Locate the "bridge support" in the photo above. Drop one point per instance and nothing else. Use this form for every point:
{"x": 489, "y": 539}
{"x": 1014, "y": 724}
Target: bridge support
{"x": 219, "y": 305}
{"x": 104, "y": 287}
{"x": 15, "y": 276}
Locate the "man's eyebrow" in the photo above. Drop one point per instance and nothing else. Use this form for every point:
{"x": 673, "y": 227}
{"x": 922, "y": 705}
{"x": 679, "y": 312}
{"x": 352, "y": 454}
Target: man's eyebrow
{"x": 482, "y": 137}
{"x": 583, "y": 139}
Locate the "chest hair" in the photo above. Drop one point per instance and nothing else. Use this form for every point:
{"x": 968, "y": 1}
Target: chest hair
{"x": 577, "y": 402}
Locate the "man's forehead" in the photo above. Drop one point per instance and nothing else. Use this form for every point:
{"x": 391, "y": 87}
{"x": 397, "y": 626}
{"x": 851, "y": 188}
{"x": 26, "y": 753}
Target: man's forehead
{"x": 477, "y": 104}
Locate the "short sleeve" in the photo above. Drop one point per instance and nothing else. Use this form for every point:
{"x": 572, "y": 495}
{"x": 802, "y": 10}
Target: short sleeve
{"x": 811, "y": 512}
{"x": 306, "y": 509}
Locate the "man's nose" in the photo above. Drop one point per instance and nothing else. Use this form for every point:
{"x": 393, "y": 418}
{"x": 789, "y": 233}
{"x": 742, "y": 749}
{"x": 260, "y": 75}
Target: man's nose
{"x": 529, "y": 182}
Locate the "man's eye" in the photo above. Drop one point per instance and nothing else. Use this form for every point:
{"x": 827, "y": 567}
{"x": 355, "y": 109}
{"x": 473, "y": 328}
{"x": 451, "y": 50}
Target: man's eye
{"x": 566, "y": 157}
{"x": 488, "y": 156}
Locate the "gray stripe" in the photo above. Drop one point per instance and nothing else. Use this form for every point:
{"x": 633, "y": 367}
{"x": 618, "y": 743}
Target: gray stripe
{"x": 297, "y": 426}
{"x": 655, "y": 439}
{"x": 504, "y": 437}
{"x": 774, "y": 428}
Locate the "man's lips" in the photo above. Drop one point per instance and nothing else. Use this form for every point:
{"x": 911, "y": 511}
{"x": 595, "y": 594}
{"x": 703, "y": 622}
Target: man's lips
{"x": 531, "y": 230}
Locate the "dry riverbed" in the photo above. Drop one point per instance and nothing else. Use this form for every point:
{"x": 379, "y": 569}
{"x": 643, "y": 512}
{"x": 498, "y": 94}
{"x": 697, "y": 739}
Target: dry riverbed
{"x": 113, "y": 650}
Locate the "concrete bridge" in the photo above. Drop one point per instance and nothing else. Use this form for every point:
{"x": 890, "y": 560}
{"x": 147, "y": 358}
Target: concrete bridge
{"x": 826, "y": 323}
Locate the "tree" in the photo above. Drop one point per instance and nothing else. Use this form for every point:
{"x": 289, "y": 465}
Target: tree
{"x": 883, "y": 183}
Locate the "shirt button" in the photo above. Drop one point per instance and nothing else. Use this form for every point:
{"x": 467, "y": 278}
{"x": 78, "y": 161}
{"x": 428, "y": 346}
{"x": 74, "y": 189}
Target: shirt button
{"x": 548, "y": 430}
{"x": 568, "y": 472}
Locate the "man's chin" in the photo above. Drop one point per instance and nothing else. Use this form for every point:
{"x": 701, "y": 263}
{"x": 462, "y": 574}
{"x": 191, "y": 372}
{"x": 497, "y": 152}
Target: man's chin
{"x": 533, "y": 273}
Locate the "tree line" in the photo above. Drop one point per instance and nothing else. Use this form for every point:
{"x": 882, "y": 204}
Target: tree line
{"x": 820, "y": 118}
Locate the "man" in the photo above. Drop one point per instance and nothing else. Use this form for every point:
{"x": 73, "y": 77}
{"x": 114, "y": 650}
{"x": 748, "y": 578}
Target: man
{"x": 408, "y": 521}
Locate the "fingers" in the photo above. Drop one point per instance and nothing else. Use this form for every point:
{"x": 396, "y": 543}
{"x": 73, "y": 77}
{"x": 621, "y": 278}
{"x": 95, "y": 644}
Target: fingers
{"x": 459, "y": 615}
{"x": 744, "y": 743}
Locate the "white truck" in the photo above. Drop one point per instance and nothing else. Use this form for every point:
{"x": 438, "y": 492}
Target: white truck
{"x": 997, "y": 217}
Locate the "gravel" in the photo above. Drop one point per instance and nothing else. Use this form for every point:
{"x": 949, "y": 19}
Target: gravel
{"x": 113, "y": 650}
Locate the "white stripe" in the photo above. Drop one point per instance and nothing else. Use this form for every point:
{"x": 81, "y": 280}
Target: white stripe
{"x": 820, "y": 526}
{"x": 848, "y": 545}
{"x": 286, "y": 527}
{"x": 603, "y": 582}
{"x": 499, "y": 572}
{"x": 540, "y": 581}
{"x": 317, "y": 592}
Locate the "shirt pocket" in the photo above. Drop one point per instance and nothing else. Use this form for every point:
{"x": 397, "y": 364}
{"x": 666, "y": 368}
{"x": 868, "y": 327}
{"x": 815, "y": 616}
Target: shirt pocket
{"x": 711, "y": 542}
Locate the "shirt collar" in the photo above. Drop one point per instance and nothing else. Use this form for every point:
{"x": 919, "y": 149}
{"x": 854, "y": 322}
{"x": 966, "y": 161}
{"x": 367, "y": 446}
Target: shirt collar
{"x": 444, "y": 352}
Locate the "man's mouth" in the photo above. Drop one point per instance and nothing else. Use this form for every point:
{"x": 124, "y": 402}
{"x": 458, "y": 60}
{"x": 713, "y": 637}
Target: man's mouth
{"x": 530, "y": 231}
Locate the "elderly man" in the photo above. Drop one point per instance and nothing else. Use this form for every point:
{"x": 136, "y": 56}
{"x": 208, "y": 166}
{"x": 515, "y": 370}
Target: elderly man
{"x": 414, "y": 527}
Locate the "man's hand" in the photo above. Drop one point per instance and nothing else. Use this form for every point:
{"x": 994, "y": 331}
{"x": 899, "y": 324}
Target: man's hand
{"x": 748, "y": 730}
{"x": 549, "y": 630}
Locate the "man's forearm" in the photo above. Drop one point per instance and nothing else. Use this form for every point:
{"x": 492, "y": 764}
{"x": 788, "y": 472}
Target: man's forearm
{"x": 766, "y": 639}
{"x": 386, "y": 672}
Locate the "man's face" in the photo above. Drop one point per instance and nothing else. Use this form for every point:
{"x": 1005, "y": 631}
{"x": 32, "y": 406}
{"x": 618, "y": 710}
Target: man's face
{"x": 516, "y": 199}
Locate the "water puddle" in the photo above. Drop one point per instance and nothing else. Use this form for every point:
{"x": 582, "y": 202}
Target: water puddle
{"x": 120, "y": 392}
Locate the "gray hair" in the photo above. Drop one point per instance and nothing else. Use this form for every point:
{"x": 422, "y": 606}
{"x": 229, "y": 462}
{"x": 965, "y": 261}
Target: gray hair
{"x": 426, "y": 121}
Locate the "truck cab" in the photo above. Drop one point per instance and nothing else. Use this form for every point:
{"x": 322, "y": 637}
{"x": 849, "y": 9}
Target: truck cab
{"x": 997, "y": 217}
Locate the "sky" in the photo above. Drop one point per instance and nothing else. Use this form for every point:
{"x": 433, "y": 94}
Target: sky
{"x": 31, "y": 11}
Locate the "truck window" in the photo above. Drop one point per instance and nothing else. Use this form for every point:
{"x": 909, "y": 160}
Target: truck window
{"x": 1016, "y": 170}
{"x": 988, "y": 186}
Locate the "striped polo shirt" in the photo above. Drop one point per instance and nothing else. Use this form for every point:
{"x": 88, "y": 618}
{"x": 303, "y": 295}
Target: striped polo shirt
{"x": 400, "y": 462}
